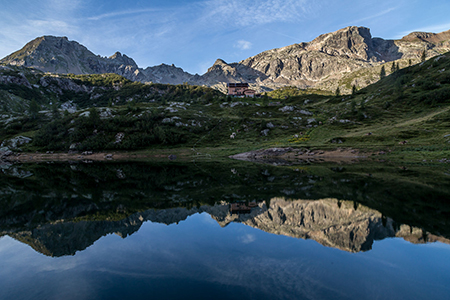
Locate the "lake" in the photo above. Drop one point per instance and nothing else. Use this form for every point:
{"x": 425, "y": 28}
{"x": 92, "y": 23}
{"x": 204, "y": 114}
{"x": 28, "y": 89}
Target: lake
{"x": 224, "y": 230}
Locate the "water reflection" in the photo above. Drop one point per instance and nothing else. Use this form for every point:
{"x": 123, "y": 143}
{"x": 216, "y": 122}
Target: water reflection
{"x": 59, "y": 209}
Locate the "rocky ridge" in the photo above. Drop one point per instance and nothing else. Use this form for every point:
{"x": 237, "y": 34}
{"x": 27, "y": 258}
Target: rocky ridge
{"x": 349, "y": 56}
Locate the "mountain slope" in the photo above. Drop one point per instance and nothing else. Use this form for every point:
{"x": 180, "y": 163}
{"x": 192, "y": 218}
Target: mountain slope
{"x": 330, "y": 58}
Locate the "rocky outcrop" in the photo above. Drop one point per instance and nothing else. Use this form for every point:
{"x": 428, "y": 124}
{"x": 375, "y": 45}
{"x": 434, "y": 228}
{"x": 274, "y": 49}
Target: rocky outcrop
{"x": 15, "y": 143}
{"x": 58, "y": 84}
{"x": 18, "y": 79}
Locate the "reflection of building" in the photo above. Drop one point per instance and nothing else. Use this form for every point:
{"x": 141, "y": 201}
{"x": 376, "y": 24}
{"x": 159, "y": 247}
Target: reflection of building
{"x": 242, "y": 208}
{"x": 240, "y": 90}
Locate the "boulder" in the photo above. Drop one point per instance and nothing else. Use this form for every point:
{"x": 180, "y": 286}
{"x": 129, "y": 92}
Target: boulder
{"x": 16, "y": 142}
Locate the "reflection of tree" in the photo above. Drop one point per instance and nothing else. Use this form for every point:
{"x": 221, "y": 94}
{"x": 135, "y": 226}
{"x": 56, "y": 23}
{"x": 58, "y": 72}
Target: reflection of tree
{"x": 424, "y": 236}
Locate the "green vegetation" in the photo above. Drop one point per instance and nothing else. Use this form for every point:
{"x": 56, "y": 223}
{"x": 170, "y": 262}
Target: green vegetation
{"x": 291, "y": 91}
{"x": 405, "y": 114}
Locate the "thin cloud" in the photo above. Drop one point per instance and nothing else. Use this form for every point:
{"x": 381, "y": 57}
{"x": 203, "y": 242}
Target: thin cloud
{"x": 250, "y": 12}
{"x": 247, "y": 239}
{"x": 52, "y": 26}
{"x": 382, "y": 13}
{"x": 62, "y": 6}
{"x": 122, "y": 13}
{"x": 243, "y": 45}
{"x": 282, "y": 34}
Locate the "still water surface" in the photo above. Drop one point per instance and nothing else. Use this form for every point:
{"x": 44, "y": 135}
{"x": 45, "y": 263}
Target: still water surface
{"x": 164, "y": 231}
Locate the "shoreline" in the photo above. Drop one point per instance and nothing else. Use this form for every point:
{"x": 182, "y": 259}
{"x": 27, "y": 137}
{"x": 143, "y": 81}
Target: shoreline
{"x": 287, "y": 154}
{"x": 265, "y": 155}
{"x": 97, "y": 156}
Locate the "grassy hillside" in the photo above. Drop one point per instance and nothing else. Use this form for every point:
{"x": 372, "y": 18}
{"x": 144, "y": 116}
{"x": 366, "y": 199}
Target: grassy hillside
{"x": 407, "y": 113}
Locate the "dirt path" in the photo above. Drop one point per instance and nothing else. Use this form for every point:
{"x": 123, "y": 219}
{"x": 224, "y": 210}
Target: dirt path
{"x": 376, "y": 128}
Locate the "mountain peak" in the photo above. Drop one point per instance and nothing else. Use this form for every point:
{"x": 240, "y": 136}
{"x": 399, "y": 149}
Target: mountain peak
{"x": 352, "y": 41}
{"x": 122, "y": 59}
{"x": 220, "y": 62}
{"x": 116, "y": 55}
{"x": 428, "y": 37}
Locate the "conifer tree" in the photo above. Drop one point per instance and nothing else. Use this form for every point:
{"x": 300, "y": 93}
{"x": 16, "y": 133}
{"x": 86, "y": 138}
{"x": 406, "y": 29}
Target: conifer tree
{"x": 393, "y": 67}
{"x": 382, "y": 72}
{"x": 338, "y": 92}
{"x": 424, "y": 55}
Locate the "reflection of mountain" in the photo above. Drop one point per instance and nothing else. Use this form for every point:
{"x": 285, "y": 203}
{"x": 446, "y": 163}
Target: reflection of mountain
{"x": 339, "y": 224}
{"x": 333, "y": 223}
{"x": 65, "y": 238}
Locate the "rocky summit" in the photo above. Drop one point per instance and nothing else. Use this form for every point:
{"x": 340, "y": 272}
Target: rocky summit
{"x": 347, "y": 57}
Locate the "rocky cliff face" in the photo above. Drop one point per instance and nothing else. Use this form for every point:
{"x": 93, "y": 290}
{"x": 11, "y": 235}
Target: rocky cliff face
{"x": 331, "y": 60}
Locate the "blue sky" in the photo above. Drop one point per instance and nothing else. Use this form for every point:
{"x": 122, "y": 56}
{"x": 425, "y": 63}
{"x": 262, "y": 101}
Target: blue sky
{"x": 193, "y": 34}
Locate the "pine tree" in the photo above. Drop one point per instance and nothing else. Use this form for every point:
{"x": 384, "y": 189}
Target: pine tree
{"x": 397, "y": 67}
{"x": 354, "y": 90}
{"x": 424, "y": 56}
{"x": 382, "y": 72}
{"x": 393, "y": 67}
{"x": 338, "y": 92}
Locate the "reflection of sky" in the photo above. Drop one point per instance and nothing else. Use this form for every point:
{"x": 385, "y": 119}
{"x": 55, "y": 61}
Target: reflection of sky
{"x": 198, "y": 259}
